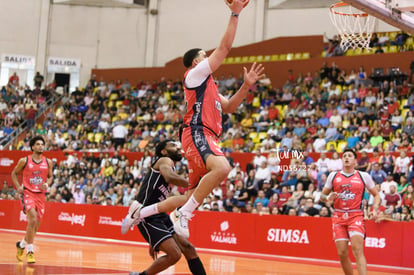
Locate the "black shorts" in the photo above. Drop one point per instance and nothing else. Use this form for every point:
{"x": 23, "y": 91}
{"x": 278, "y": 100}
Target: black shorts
{"x": 156, "y": 229}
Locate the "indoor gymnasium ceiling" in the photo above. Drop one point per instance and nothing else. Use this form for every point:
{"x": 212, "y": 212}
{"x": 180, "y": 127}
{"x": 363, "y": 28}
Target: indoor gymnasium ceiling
{"x": 103, "y": 3}
{"x": 300, "y": 4}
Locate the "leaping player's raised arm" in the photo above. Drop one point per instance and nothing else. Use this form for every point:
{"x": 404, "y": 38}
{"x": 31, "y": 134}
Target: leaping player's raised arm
{"x": 250, "y": 77}
{"x": 206, "y": 66}
{"x": 218, "y": 55}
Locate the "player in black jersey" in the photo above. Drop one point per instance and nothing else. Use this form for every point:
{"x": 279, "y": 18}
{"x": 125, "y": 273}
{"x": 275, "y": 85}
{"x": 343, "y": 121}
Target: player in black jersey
{"x": 158, "y": 229}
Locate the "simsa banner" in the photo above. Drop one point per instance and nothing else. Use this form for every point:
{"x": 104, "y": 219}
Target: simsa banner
{"x": 386, "y": 243}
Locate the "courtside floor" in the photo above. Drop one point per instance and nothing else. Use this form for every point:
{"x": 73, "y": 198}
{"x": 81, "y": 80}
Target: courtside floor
{"x": 57, "y": 254}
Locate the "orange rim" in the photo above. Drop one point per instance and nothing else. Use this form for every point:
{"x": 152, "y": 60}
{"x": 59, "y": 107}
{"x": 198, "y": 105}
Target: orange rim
{"x": 343, "y": 4}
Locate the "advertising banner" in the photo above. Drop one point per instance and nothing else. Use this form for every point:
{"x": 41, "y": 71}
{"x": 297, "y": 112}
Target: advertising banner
{"x": 225, "y": 231}
{"x": 297, "y": 237}
{"x": 386, "y": 243}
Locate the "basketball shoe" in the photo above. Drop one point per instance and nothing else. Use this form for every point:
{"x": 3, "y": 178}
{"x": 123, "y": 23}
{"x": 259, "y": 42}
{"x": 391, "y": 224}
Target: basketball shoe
{"x": 30, "y": 259}
{"x": 20, "y": 252}
{"x": 180, "y": 222}
{"x": 132, "y": 218}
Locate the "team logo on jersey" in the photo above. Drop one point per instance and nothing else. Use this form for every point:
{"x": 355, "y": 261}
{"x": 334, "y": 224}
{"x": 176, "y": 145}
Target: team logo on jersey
{"x": 36, "y": 180}
{"x": 218, "y": 105}
{"x": 346, "y": 195}
{"x": 338, "y": 179}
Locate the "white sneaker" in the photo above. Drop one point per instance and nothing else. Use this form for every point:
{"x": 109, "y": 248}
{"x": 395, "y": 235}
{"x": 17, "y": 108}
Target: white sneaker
{"x": 132, "y": 218}
{"x": 180, "y": 222}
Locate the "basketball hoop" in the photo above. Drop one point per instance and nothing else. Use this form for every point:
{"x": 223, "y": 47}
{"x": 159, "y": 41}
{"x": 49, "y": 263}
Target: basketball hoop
{"x": 354, "y": 26}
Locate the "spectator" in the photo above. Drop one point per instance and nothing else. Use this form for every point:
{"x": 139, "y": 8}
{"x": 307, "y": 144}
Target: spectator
{"x": 393, "y": 199}
{"x": 261, "y": 199}
{"x": 262, "y": 174}
{"x": 408, "y": 197}
{"x": 128, "y": 196}
{"x": 334, "y": 164}
{"x": 363, "y": 162}
{"x": 386, "y": 185}
{"x": 322, "y": 164}
{"x": 266, "y": 187}
{"x": 258, "y": 159}
{"x": 402, "y": 185}
{"x": 38, "y": 80}
{"x": 387, "y": 161}
{"x": 229, "y": 201}
{"x": 309, "y": 209}
{"x": 119, "y": 135}
{"x": 320, "y": 143}
{"x": 402, "y": 163}
{"x": 377, "y": 174}
{"x": 240, "y": 194}
{"x": 14, "y": 81}
{"x": 78, "y": 196}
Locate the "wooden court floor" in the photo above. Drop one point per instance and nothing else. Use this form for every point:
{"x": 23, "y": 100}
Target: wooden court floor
{"x": 68, "y": 255}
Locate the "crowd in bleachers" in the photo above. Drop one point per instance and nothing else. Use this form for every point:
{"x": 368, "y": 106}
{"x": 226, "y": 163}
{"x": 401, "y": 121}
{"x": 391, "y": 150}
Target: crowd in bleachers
{"x": 386, "y": 42}
{"x": 19, "y": 104}
{"x": 321, "y": 112}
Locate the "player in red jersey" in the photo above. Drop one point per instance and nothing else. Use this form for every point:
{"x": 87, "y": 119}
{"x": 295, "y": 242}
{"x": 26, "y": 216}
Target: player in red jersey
{"x": 202, "y": 123}
{"x": 37, "y": 177}
{"x": 346, "y": 189}
{"x": 202, "y": 128}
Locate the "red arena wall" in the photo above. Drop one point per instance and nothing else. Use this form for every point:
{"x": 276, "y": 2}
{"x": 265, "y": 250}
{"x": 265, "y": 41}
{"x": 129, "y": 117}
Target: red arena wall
{"x": 386, "y": 244}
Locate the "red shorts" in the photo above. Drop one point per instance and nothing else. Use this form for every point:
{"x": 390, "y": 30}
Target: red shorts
{"x": 346, "y": 225}
{"x": 34, "y": 200}
{"x": 198, "y": 143}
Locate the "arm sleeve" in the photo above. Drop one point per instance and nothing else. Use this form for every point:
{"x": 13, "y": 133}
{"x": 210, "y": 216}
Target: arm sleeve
{"x": 198, "y": 74}
{"x": 329, "y": 180}
{"x": 369, "y": 182}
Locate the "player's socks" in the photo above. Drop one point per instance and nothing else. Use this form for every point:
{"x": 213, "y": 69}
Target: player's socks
{"x": 29, "y": 248}
{"x": 189, "y": 206}
{"x": 22, "y": 243}
{"x": 196, "y": 266}
{"x": 148, "y": 211}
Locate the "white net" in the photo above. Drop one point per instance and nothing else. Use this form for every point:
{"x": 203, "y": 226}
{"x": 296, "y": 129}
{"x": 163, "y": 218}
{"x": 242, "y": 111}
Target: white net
{"x": 354, "y": 26}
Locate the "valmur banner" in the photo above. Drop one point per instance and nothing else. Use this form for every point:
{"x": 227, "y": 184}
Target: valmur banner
{"x": 386, "y": 243}
{"x": 221, "y": 230}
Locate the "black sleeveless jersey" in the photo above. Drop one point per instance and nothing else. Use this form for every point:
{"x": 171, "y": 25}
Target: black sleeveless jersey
{"x": 154, "y": 188}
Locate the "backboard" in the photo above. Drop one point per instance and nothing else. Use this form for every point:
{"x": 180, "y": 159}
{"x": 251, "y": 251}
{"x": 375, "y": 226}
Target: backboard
{"x": 399, "y": 13}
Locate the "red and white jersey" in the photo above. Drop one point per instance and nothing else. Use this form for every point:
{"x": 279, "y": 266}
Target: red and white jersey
{"x": 35, "y": 174}
{"x": 350, "y": 189}
{"x": 203, "y": 102}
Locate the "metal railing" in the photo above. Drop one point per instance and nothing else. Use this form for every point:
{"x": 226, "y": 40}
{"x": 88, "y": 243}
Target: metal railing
{"x": 8, "y": 141}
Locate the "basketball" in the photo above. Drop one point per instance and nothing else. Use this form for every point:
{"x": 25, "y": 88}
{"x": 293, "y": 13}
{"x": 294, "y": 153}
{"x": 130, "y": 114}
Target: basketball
{"x": 231, "y": 1}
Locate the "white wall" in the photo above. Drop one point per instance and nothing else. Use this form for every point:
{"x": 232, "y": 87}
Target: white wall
{"x": 99, "y": 37}
{"x": 200, "y": 24}
{"x": 19, "y": 20}
{"x": 117, "y": 37}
